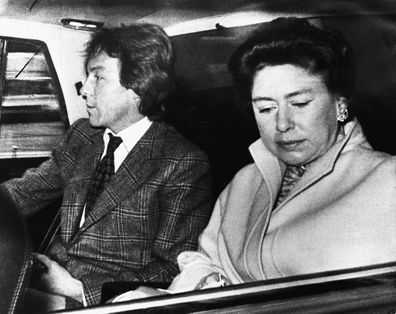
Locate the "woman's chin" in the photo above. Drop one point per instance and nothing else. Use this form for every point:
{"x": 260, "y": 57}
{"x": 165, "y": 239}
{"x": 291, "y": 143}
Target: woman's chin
{"x": 294, "y": 159}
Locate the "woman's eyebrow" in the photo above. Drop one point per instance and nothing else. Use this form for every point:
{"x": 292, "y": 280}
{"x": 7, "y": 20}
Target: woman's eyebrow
{"x": 289, "y": 95}
{"x": 299, "y": 92}
{"x": 262, "y": 98}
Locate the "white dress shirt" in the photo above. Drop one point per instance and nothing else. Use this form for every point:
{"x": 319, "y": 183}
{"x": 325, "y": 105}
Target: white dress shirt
{"x": 130, "y": 136}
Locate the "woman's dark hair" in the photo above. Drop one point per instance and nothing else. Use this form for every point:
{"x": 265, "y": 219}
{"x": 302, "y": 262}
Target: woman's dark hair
{"x": 297, "y": 42}
{"x": 146, "y": 62}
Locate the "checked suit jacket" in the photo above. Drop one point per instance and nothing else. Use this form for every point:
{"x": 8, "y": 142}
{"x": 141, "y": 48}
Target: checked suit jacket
{"x": 153, "y": 208}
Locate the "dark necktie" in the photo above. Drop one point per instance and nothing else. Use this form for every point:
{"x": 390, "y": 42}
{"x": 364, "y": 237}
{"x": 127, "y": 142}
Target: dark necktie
{"x": 102, "y": 174}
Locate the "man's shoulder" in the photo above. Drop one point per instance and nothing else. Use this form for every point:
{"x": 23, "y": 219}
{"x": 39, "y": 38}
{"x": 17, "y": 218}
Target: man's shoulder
{"x": 173, "y": 143}
{"x": 82, "y": 126}
{"x": 82, "y": 131}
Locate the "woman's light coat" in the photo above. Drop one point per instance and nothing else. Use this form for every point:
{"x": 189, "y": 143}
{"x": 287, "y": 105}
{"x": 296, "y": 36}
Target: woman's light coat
{"x": 340, "y": 214}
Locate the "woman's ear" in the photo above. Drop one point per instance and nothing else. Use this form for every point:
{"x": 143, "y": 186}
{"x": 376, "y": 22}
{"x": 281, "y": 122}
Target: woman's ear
{"x": 342, "y": 109}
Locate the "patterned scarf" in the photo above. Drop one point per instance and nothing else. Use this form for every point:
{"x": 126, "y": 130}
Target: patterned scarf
{"x": 292, "y": 175}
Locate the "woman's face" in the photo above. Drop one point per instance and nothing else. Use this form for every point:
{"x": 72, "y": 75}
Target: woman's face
{"x": 295, "y": 113}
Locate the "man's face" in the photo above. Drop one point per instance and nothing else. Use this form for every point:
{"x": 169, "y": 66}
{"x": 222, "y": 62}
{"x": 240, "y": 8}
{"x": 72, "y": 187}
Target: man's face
{"x": 109, "y": 104}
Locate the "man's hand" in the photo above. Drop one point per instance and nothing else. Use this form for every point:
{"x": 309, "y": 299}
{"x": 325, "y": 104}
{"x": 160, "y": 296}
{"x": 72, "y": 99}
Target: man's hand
{"x": 58, "y": 280}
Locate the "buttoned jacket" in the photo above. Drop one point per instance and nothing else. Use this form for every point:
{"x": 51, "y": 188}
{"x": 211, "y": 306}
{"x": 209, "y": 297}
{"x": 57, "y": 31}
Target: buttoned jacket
{"x": 153, "y": 208}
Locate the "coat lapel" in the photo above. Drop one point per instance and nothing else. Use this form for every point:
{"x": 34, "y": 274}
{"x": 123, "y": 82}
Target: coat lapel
{"x": 321, "y": 167}
{"x": 272, "y": 172}
{"x": 270, "y": 168}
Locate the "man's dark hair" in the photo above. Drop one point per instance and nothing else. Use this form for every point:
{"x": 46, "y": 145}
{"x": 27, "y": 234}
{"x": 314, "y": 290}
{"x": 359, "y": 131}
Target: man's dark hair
{"x": 146, "y": 62}
{"x": 293, "y": 41}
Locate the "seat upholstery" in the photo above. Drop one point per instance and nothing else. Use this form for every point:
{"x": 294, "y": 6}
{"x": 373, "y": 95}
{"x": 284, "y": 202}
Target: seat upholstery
{"x": 15, "y": 257}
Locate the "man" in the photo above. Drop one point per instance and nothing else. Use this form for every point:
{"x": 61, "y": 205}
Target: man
{"x": 158, "y": 200}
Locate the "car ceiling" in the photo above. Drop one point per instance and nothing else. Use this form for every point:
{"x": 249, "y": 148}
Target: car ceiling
{"x": 170, "y": 12}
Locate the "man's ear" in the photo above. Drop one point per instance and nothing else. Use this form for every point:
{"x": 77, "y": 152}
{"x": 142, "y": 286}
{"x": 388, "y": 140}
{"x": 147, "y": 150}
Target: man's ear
{"x": 134, "y": 97}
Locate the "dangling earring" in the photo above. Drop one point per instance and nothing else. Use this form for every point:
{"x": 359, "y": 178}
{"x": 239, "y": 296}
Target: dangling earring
{"x": 342, "y": 115}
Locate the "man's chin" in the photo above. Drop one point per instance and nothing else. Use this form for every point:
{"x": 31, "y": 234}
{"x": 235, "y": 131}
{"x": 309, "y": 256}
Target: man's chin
{"x": 94, "y": 122}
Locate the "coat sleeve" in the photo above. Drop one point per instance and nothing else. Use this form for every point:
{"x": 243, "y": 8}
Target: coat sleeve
{"x": 195, "y": 265}
{"x": 184, "y": 208}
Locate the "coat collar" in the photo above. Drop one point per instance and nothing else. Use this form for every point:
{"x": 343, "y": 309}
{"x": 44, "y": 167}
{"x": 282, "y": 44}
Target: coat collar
{"x": 272, "y": 169}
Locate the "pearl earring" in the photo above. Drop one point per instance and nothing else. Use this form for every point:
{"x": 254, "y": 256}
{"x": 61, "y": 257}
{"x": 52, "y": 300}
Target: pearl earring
{"x": 342, "y": 115}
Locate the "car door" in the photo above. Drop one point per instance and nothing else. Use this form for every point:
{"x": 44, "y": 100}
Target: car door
{"x": 33, "y": 117}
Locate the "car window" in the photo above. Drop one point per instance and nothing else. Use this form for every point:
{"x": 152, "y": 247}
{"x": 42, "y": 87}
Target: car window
{"x": 33, "y": 118}
{"x": 359, "y": 290}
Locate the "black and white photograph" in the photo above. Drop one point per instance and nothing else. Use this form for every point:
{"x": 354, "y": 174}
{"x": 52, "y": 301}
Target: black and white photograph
{"x": 185, "y": 156}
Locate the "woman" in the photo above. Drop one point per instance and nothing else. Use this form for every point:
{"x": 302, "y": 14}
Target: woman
{"x": 317, "y": 196}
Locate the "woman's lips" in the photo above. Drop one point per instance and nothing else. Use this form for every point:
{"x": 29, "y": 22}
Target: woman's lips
{"x": 290, "y": 145}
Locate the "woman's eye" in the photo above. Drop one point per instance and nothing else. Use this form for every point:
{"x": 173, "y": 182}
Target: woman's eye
{"x": 265, "y": 109}
{"x": 300, "y": 104}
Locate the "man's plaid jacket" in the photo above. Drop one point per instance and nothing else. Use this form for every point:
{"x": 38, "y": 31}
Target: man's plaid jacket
{"x": 153, "y": 208}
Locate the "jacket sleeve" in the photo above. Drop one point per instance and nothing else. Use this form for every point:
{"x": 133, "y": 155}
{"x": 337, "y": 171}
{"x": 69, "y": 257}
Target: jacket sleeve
{"x": 39, "y": 187}
{"x": 184, "y": 209}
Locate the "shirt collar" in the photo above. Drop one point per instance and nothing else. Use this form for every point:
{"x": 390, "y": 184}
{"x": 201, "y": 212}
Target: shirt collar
{"x": 130, "y": 135}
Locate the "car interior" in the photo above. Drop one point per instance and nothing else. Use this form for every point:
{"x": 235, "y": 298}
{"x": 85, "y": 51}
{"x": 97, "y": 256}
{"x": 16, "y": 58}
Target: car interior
{"x": 15, "y": 257}
{"x": 205, "y": 111}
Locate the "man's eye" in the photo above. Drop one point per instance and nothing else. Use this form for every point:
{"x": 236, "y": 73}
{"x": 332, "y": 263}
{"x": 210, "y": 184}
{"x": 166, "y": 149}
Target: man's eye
{"x": 98, "y": 78}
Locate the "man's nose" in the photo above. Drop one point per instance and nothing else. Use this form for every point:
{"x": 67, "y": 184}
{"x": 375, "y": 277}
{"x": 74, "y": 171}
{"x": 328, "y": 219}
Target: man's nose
{"x": 284, "y": 120}
{"x": 85, "y": 89}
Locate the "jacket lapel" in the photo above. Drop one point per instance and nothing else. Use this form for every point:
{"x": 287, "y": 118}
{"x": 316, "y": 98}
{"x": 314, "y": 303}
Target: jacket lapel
{"x": 131, "y": 174}
{"x": 81, "y": 178}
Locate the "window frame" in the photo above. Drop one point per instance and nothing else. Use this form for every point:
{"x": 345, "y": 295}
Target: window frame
{"x": 4, "y": 40}
{"x": 341, "y": 290}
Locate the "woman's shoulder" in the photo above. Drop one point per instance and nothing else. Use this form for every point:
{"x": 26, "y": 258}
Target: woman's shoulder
{"x": 246, "y": 174}
{"x": 358, "y": 148}
{"x": 245, "y": 182}
{"x": 370, "y": 168}
{"x": 370, "y": 158}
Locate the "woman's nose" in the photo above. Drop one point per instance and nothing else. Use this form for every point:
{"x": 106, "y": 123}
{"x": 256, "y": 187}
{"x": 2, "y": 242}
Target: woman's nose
{"x": 284, "y": 120}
